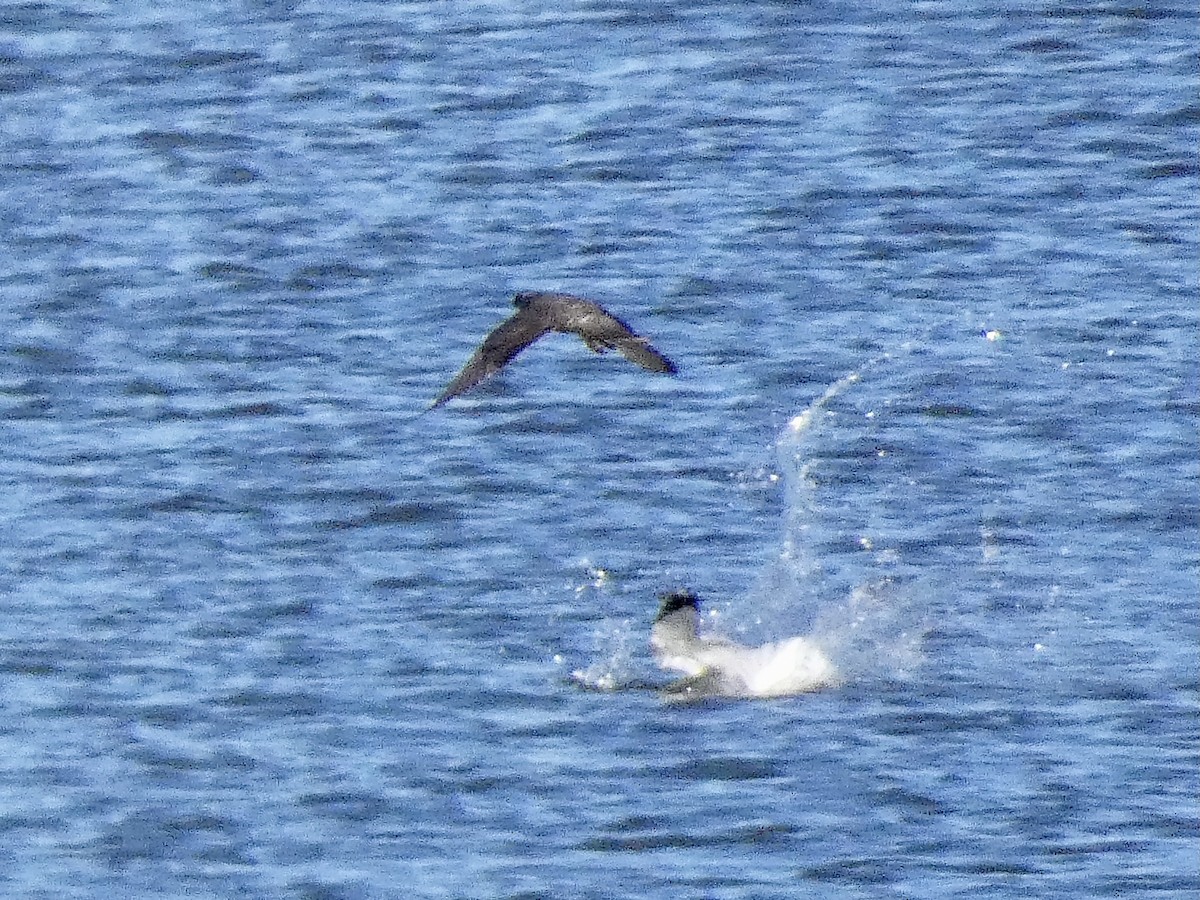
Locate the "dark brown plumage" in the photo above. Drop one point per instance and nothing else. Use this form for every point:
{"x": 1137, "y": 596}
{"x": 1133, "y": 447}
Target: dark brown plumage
{"x": 539, "y": 313}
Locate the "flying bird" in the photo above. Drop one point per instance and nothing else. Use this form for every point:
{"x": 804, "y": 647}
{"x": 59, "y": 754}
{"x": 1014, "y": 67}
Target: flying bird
{"x": 539, "y": 313}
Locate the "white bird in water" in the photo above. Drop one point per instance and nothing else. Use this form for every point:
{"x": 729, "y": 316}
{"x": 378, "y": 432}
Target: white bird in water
{"x": 539, "y": 313}
{"x": 713, "y": 665}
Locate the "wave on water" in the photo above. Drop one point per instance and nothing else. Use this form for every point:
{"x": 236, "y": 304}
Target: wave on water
{"x": 873, "y": 631}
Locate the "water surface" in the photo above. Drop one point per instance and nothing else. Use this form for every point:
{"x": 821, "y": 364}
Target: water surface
{"x": 268, "y": 634}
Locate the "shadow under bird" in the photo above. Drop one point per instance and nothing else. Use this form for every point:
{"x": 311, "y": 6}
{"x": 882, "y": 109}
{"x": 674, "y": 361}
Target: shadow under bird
{"x": 539, "y": 313}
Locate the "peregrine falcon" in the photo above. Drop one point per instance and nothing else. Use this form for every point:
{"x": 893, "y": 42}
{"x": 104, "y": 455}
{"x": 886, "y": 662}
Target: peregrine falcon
{"x": 539, "y": 313}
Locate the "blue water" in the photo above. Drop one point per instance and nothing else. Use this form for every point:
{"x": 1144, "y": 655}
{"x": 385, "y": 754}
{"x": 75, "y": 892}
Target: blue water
{"x": 265, "y": 632}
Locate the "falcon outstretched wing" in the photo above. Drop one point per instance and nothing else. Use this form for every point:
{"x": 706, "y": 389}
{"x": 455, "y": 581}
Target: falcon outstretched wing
{"x": 508, "y": 339}
{"x": 639, "y": 350}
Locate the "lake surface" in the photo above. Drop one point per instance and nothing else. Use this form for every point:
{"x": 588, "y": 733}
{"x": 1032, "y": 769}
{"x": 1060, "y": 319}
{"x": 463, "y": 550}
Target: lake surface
{"x": 266, "y": 631}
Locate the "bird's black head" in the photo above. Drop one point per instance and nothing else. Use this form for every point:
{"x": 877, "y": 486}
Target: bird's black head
{"x": 675, "y": 601}
{"x": 524, "y": 298}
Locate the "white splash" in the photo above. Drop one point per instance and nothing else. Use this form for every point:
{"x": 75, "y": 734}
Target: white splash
{"x": 864, "y": 631}
{"x": 870, "y": 629}
{"x": 717, "y": 665}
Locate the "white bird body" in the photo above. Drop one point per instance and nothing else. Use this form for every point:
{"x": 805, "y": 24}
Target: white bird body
{"x": 714, "y": 665}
